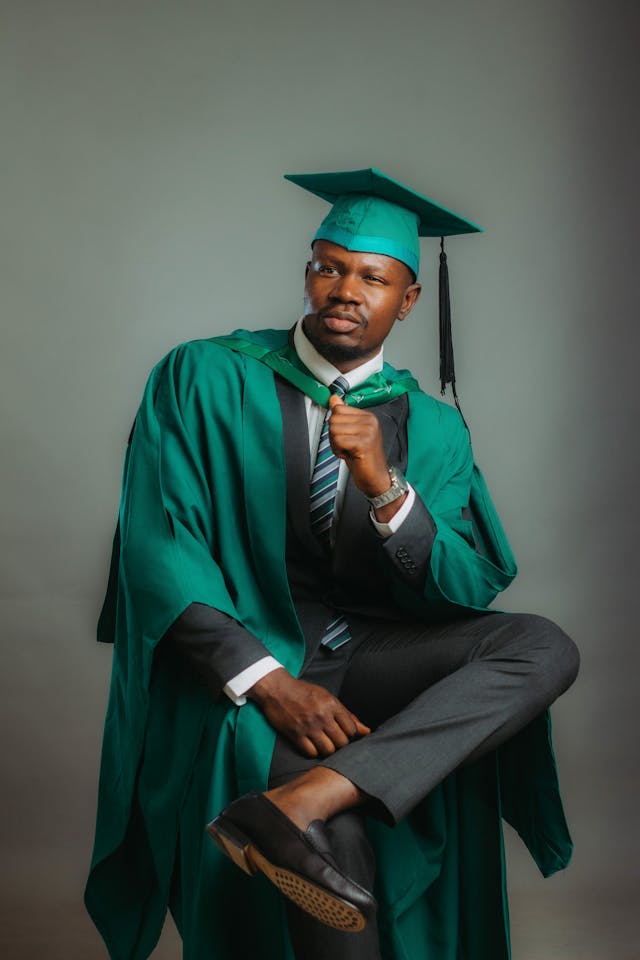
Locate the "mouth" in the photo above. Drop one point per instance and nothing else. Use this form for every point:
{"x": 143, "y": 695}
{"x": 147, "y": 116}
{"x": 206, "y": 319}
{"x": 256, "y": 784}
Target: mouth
{"x": 339, "y": 322}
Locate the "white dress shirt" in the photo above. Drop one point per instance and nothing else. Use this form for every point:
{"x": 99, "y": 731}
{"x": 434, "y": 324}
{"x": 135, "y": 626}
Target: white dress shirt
{"x": 326, "y": 373}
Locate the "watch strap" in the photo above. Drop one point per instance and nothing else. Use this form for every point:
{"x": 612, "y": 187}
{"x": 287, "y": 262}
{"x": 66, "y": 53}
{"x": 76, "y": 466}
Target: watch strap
{"x": 398, "y": 488}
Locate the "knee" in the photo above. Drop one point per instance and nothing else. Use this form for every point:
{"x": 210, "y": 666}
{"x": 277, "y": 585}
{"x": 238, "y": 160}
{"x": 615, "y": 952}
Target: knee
{"x": 557, "y": 655}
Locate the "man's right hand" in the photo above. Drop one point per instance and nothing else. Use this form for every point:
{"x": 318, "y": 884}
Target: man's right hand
{"x": 308, "y": 715}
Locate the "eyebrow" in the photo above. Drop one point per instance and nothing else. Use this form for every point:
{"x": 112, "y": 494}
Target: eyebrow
{"x": 375, "y": 268}
{"x": 367, "y": 267}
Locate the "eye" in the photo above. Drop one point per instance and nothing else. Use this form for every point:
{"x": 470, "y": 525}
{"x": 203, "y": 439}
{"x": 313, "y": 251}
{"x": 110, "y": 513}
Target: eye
{"x": 373, "y": 277}
{"x": 326, "y": 268}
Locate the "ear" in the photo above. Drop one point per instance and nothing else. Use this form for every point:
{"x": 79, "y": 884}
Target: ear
{"x": 409, "y": 300}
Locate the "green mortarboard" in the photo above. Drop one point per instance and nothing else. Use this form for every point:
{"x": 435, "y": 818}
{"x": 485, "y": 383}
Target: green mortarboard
{"x": 374, "y": 213}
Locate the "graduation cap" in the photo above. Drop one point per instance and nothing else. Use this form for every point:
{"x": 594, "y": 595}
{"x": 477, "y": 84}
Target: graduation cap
{"x": 373, "y": 213}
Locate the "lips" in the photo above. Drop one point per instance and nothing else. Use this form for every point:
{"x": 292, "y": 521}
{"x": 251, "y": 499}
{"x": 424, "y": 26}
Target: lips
{"x": 336, "y": 325}
{"x": 340, "y": 322}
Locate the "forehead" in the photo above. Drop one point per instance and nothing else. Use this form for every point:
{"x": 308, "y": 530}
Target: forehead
{"x": 331, "y": 252}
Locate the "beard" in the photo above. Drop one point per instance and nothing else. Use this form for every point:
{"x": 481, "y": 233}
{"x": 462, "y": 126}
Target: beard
{"x": 337, "y": 353}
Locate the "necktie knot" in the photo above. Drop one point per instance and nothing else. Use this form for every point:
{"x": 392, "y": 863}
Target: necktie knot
{"x": 339, "y": 387}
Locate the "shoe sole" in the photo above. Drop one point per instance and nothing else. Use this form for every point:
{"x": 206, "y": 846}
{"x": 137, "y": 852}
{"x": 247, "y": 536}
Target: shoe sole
{"x": 319, "y": 903}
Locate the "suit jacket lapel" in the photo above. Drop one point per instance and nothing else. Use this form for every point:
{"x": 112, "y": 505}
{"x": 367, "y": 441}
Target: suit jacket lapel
{"x": 296, "y": 451}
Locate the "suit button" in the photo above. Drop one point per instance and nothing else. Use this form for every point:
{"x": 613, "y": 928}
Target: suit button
{"x": 401, "y": 553}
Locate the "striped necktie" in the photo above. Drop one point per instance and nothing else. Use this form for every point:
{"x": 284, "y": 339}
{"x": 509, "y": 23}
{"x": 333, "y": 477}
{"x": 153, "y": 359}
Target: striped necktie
{"x": 322, "y": 501}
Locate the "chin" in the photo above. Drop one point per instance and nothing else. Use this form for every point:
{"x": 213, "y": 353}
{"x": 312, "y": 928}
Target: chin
{"x": 337, "y": 351}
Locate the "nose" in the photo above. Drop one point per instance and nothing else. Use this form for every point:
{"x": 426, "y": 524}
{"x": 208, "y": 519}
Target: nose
{"x": 346, "y": 289}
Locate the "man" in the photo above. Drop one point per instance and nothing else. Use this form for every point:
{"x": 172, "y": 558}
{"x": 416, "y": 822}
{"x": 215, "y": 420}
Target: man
{"x": 303, "y": 648}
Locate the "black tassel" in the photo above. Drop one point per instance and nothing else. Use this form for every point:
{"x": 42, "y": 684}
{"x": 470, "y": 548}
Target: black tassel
{"x": 447, "y": 366}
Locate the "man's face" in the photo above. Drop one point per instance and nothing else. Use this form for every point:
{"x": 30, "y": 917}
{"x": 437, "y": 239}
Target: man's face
{"x": 352, "y": 300}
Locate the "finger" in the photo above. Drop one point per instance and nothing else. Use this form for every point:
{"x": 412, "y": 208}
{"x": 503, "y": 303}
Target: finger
{"x": 336, "y": 401}
{"x": 322, "y": 743}
{"x": 358, "y": 418}
{"x": 347, "y": 723}
{"x": 336, "y": 734}
{"x": 351, "y": 441}
{"x": 355, "y": 425}
{"x": 305, "y": 745}
{"x": 344, "y": 417}
{"x": 348, "y": 445}
{"x": 343, "y": 411}
{"x": 361, "y": 728}
{"x": 351, "y": 725}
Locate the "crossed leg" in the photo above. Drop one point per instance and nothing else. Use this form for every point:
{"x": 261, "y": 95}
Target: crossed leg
{"x": 436, "y": 696}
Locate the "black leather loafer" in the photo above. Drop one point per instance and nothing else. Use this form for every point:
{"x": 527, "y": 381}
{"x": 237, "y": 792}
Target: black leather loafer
{"x": 256, "y": 835}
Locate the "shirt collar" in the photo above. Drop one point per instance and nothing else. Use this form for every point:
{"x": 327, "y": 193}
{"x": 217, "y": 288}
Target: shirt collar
{"x": 324, "y": 371}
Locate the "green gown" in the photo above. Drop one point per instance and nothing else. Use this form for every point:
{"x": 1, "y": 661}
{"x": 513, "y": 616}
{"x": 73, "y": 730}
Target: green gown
{"x": 202, "y": 519}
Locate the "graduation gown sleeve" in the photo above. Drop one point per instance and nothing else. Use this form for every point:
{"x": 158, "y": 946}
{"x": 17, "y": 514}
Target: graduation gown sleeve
{"x": 470, "y": 560}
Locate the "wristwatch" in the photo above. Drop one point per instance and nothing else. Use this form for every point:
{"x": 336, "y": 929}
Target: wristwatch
{"x": 398, "y": 487}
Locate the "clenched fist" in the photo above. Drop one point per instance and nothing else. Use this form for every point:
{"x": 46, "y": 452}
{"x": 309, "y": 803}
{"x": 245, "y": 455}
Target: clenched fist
{"x": 356, "y": 438}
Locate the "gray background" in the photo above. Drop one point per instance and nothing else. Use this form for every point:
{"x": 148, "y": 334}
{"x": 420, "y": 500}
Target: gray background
{"x": 142, "y": 205}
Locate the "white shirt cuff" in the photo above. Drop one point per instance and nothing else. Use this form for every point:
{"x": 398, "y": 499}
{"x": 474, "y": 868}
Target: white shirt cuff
{"x": 386, "y": 529}
{"x": 238, "y": 685}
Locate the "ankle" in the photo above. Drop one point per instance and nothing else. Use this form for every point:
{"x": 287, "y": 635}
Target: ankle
{"x": 318, "y": 794}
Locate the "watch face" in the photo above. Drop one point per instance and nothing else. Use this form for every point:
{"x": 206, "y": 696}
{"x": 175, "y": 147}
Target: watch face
{"x": 398, "y": 479}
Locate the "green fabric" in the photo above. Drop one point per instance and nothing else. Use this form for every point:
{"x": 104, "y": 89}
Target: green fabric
{"x": 373, "y": 225}
{"x": 434, "y": 220}
{"x": 206, "y": 472}
{"x": 267, "y": 346}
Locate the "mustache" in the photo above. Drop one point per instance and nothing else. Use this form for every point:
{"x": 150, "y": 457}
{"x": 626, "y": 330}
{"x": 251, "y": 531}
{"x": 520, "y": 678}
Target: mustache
{"x": 353, "y": 316}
